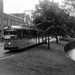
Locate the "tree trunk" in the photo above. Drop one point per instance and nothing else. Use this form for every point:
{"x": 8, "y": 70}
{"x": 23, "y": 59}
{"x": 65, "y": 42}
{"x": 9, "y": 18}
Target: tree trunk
{"x": 48, "y": 43}
{"x": 37, "y": 40}
{"x": 45, "y": 39}
{"x": 42, "y": 39}
{"x": 57, "y": 39}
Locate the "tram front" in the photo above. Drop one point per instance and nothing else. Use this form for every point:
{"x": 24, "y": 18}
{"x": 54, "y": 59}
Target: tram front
{"x": 10, "y": 39}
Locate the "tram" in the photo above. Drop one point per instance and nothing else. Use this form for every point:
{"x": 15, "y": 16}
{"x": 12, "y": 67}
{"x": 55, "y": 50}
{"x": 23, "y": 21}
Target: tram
{"x": 18, "y": 37}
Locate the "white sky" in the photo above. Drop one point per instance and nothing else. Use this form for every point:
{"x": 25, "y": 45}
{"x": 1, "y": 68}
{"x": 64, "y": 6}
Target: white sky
{"x": 19, "y": 6}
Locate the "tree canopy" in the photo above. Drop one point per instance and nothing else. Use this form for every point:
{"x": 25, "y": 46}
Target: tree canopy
{"x": 50, "y": 19}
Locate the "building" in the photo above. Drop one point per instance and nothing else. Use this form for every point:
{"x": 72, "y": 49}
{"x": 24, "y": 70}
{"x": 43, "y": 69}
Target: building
{"x": 26, "y": 16}
{"x": 21, "y": 15}
{"x": 10, "y": 20}
{"x": 7, "y": 19}
{"x": 1, "y": 18}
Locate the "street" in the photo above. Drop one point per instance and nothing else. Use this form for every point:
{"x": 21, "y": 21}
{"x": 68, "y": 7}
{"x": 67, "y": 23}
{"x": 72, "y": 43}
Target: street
{"x": 5, "y": 53}
{"x": 2, "y": 51}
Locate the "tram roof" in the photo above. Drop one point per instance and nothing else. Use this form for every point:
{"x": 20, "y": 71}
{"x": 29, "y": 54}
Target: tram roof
{"x": 18, "y": 27}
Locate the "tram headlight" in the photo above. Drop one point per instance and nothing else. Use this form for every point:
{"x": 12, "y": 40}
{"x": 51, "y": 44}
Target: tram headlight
{"x": 9, "y": 43}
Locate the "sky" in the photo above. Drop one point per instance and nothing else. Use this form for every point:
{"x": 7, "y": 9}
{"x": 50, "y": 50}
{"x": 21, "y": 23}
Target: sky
{"x": 19, "y": 6}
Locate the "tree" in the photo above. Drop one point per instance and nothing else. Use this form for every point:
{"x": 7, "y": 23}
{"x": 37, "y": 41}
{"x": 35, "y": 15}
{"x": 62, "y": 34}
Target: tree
{"x": 50, "y": 19}
{"x": 69, "y": 7}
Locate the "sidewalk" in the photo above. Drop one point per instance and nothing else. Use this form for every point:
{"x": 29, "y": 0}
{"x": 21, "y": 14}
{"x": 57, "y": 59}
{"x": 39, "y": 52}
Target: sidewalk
{"x": 39, "y": 61}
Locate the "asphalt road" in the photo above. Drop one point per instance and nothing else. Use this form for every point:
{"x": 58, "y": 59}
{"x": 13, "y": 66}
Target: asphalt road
{"x": 5, "y": 53}
{"x": 2, "y": 51}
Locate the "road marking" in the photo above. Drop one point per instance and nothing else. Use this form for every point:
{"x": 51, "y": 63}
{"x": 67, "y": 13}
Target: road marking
{"x": 7, "y": 57}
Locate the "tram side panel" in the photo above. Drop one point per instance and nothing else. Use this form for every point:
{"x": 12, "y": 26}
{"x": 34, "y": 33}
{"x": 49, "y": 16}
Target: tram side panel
{"x": 15, "y": 44}
{"x": 21, "y": 44}
{"x": 25, "y": 42}
{"x": 29, "y": 42}
{"x": 28, "y": 38}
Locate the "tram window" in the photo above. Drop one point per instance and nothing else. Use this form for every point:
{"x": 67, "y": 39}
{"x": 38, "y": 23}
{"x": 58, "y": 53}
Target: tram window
{"x": 8, "y": 33}
{"x": 20, "y": 34}
{"x": 32, "y": 33}
{"x": 11, "y": 34}
{"x": 25, "y": 33}
{"x": 29, "y": 33}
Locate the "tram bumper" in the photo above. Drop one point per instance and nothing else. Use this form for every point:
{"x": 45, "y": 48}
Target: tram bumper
{"x": 10, "y": 48}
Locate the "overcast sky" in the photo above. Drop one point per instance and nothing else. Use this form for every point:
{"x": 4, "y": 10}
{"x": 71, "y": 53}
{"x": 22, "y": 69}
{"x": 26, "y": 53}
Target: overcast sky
{"x": 19, "y": 6}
